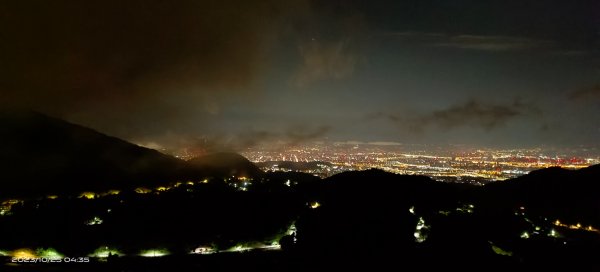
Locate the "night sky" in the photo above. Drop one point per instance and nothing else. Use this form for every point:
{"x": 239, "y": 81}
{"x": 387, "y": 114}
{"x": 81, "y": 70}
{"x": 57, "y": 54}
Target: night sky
{"x": 237, "y": 73}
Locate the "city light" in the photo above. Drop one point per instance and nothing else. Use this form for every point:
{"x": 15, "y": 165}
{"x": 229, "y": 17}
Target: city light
{"x": 87, "y": 195}
{"x": 203, "y": 250}
{"x": 576, "y": 226}
{"x": 94, "y": 221}
{"x": 499, "y": 250}
{"x": 154, "y": 253}
{"x": 24, "y": 253}
{"x": 475, "y": 166}
{"x": 420, "y": 233}
{"x": 49, "y": 253}
{"x": 104, "y": 252}
{"x": 142, "y": 190}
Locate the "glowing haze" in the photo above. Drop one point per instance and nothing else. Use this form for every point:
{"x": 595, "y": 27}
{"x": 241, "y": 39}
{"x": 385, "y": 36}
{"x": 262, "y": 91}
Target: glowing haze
{"x": 232, "y": 74}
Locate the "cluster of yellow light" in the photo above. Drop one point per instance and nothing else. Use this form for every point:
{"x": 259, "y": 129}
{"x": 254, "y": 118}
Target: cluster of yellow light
{"x": 87, "y": 195}
{"x": 142, "y": 190}
{"x": 420, "y": 233}
{"x": 113, "y": 192}
{"x": 104, "y": 252}
{"x": 49, "y": 253}
{"x": 7, "y": 205}
{"x": 162, "y": 189}
{"x": 11, "y": 202}
{"x": 239, "y": 248}
{"x": 154, "y": 253}
{"x": 315, "y": 204}
{"x": 577, "y": 226}
{"x": 52, "y": 197}
{"x": 24, "y": 253}
{"x": 203, "y": 250}
{"x": 499, "y": 250}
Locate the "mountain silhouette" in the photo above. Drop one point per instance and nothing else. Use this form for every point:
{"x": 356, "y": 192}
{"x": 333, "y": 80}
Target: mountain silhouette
{"x": 41, "y": 154}
{"x": 554, "y": 191}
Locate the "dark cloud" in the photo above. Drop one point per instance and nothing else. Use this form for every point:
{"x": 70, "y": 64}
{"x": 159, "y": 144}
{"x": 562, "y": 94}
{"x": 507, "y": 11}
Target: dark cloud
{"x": 494, "y": 43}
{"x": 302, "y": 134}
{"x": 475, "y": 42}
{"x": 586, "y": 94}
{"x": 324, "y": 60}
{"x": 134, "y": 61}
{"x": 330, "y": 43}
{"x": 207, "y": 69}
{"x": 249, "y": 138}
{"x": 469, "y": 114}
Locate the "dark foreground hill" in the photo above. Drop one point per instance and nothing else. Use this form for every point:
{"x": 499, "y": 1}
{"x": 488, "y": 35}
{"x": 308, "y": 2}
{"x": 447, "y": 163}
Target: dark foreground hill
{"x": 43, "y": 155}
{"x": 226, "y": 164}
{"x": 571, "y": 195}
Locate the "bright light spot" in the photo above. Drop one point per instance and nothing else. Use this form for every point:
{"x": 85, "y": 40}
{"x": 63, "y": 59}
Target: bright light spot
{"x": 205, "y": 181}
{"x": 500, "y": 251}
{"x": 274, "y": 246}
{"x": 104, "y": 252}
{"x": 49, "y": 253}
{"x": 142, "y": 190}
{"x": 87, "y": 195}
{"x": 94, "y": 221}
{"x": 191, "y": 183}
{"x": 203, "y": 250}
{"x": 525, "y": 235}
{"x": 315, "y": 205}
{"x": 4, "y": 253}
{"x": 24, "y": 253}
{"x": 291, "y": 229}
{"x": 239, "y": 248}
{"x": 288, "y": 183}
{"x": 466, "y": 208}
{"x": 446, "y": 213}
{"x": 553, "y": 233}
{"x": 154, "y": 253}
{"x": 577, "y": 226}
{"x": 162, "y": 189}
{"x": 420, "y": 231}
{"x": 114, "y": 192}
{"x": 412, "y": 209}
{"x": 52, "y": 197}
